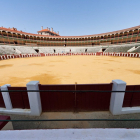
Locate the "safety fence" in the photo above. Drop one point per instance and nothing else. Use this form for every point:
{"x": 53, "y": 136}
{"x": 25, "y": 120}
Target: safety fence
{"x": 117, "y": 97}
{"x": 11, "y": 56}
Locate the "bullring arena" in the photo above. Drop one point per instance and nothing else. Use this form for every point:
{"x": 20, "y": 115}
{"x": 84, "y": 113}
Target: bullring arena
{"x": 69, "y": 69}
{"x": 48, "y": 61}
{"x": 83, "y": 69}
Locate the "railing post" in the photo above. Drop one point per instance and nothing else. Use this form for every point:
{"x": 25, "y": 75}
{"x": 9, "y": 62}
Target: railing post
{"x": 34, "y": 98}
{"x": 6, "y": 97}
{"x": 117, "y": 98}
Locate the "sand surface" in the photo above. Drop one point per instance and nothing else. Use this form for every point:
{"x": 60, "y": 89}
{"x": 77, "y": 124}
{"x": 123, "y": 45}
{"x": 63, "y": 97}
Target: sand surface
{"x": 69, "y": 69}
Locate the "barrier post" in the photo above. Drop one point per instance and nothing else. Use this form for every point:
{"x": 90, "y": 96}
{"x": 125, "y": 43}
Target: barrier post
{"x": 34, "y": 98}
{"x": 6, "y": 97}
{"x": 117, "y": 98}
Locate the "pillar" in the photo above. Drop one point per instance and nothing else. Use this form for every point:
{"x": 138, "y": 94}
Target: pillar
{"x": 6, "y": 97}
{"x": 117, "y": 98}
{"x": 34, "y": 98}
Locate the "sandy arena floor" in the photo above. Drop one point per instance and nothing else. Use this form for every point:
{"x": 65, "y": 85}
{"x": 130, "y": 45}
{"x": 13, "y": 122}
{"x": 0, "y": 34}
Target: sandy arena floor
{"x": 69, "y": 69}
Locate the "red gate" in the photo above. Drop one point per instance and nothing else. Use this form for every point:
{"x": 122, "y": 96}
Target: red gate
{"x": 75, "y": 101}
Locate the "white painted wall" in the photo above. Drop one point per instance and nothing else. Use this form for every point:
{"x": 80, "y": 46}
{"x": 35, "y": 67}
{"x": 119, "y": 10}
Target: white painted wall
{"x": 72, "y": 134}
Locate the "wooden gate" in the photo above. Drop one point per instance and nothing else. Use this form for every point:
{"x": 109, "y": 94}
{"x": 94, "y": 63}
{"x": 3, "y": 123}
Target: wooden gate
{"x": 132, "y": 99}
{"x": 19, "y": 99}
{"x": 75, "y": 101}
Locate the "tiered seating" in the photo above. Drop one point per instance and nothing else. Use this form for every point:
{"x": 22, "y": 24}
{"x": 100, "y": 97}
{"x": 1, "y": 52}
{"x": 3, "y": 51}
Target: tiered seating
{"x": 7, "y": 50}
{"x": 121, "y": 48}
{"x": 26, "y": 50}
{"x": 93, "y": 50}
{"x": 45, "y": 50}
{"x": 137, "y": 50}
{"x": 118, "y": 48}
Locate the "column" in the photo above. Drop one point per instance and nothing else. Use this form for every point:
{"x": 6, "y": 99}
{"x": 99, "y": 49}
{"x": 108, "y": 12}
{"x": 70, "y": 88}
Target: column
{"x": 34, "y": 98}
{"x": 6, "y": 97}
{"x": 117, "y": 98}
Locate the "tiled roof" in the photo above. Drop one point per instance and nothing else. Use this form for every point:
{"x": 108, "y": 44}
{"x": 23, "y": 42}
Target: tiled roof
{"x": 46, "y": 30}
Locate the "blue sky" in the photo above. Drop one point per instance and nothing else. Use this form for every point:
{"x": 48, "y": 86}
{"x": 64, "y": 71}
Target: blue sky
{"x": 70, "y": 17}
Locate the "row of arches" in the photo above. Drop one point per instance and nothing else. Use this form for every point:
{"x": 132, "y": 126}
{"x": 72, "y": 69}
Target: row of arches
{"x": 32, "y": 37}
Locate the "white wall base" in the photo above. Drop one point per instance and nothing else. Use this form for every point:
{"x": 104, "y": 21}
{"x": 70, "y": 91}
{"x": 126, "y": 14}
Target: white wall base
{"x": 129, "y": 110}
{"x": 16, "y": 111}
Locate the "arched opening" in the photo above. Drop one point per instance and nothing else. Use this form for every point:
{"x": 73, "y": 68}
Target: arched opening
{"x": 37, "y": 50}
{"x": 34, "y": 38}
{"x": 85, "y": 50}
{"x": 23, "y": 36}
{"x": 103, "y": 49}
{"x": 54, "y": 50}
{"x": 130, "y": 32}
{"x": 18, "y": 35}
{"x": 4, "y": 33}
{"x": 9, "y": 34}
{"x": 125, "y": 33}
{"x": 27, "y": 37}
{"x": 135, "y": 31}
{"x": 102, "y": 37}
{"x": 14, "y": 35}
{"x": 15, "y": 42}
{"x": 121, "y": 34}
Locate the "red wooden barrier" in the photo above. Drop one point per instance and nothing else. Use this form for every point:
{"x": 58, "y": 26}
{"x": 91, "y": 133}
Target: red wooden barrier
{"x": 19, "y": 99}
{"x": 75, "y": 101}
{"x": 57, "y": 101}
{"x": 1, "y": 101}
{"x": 93, "y": 101}
{"x": 132, "y": 99}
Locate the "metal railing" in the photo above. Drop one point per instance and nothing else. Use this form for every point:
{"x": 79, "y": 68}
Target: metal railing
{"x": 63, "y": 91}
{"x": 52, "y": 120}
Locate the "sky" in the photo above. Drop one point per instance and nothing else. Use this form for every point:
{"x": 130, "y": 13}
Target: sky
{"x": 70, "y": 17}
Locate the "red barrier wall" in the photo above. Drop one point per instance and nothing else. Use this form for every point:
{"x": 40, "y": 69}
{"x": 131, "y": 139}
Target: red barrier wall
{"x": 57, "y": 101}
{"x": 19, "y": 99}
{"x": 132, "y": 99}
{"x": 75, "y": 101}
{"x": 93, "y": 101}
{"x": 1, "y": 101}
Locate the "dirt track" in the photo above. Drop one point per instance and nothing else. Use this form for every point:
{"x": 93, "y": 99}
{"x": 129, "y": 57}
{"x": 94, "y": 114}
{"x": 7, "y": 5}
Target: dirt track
{"x": 69, "y": 69}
